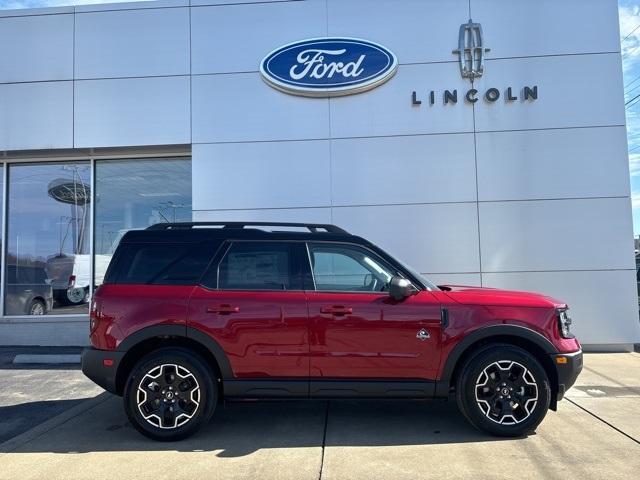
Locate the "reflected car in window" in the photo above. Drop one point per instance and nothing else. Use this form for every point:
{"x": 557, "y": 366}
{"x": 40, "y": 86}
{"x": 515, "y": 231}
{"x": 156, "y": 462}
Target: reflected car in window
{"x": 28, "y": 291}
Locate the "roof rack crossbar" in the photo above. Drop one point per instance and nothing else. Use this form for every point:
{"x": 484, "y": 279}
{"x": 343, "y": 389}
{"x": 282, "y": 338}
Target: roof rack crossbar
{"x": 312, "y": 227}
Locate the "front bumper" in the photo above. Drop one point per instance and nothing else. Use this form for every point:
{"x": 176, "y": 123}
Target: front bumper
{"x": 568, "y": 366}
{"x": 101, "y": 366}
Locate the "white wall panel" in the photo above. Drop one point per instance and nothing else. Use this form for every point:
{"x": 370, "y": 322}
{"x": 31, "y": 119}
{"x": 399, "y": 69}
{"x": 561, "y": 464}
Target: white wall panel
{"x": 36, "y": 48}
{"x": 136, "y": 111}
{"x": 101, "y": 7}
{"x": 241, "y": 107}
{"x": 564, "y": 163}
{"x": 469, "y": 279}
{"x": 547, "y": 27}
{"x": 36, "y": 115}
{"x": 387, "y": 110}
{"x": 415, "y": 30}
{"x": 603, "y": 305}
{"x": 227, "y": 2}
{"x": 414, "y": 169}
{"x": 431, "y": 238}
{"x": 308, "y": 215}
{"x": 566, "y": 96}
{"x": 556, "y": 235}
{"x": 132, "y": 43}
{"x": 235, "y": 38}
{"x": 261, "y": 175}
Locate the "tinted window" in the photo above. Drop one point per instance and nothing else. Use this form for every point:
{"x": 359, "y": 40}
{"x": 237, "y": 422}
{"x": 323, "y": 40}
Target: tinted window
{"x": 166, "y": 264}
{"x": 348, "y": 268}
{"x": 259, "y": 266}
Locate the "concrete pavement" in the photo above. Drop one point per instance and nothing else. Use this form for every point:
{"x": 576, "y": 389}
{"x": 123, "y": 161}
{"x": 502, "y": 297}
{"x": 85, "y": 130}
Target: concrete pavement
{"x": 594, "y": 434}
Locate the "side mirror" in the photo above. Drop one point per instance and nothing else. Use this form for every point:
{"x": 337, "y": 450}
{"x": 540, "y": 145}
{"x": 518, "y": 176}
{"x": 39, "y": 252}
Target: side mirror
{"x": 400, "y": 288}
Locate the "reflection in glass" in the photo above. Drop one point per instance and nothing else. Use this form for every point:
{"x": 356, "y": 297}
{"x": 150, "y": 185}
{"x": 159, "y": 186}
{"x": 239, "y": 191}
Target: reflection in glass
{"x": 48, "y": 232}
{"x": 134, "y": 194}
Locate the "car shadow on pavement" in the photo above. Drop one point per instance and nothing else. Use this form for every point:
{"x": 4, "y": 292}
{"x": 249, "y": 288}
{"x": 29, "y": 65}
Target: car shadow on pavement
{"x": 242, "y": 428}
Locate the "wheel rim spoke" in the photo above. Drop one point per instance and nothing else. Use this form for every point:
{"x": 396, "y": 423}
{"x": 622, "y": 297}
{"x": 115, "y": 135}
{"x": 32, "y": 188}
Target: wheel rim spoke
{"x": 168, "y": 396}
{"x": 506, "y": 392}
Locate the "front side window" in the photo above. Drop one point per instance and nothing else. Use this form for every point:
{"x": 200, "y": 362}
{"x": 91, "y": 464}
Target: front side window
{"x": 347, "y": 268}
{"x": 259, "y": 266}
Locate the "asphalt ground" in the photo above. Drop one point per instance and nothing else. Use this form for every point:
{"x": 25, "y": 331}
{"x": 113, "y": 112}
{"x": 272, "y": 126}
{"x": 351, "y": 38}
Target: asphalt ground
{"x": 65, "y": 428}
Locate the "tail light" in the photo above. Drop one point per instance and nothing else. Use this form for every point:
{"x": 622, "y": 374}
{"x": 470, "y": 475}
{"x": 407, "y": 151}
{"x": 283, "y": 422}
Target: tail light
{"x": 72, "y": 281}
{"x": 93, "y": 316}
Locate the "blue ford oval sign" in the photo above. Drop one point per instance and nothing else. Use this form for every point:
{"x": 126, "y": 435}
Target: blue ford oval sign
{"x": 326, "y": 67}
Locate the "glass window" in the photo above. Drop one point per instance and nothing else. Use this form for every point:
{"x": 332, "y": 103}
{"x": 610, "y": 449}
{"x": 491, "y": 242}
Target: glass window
{"x": 48, "y": 233}
{"x": 348, "y": 268}
{"x": 167, "y": 264}
{"x": 134, "y": 194}
{"x": 258, "y": 266}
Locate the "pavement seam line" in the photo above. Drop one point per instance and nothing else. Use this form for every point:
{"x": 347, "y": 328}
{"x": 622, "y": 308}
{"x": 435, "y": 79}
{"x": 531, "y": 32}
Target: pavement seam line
{"x": 324, "y": 438}
{"x": 603, "y": 420}
{"x": 36, "y": 432}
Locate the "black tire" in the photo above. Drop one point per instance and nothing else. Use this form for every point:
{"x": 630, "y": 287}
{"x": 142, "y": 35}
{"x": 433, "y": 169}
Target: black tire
{"x": 503, "y": 390}
{"x": 37, "y": 307}
{"x": 191, "y": 378}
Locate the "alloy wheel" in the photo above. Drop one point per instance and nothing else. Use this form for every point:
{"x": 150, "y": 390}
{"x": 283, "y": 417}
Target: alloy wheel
{"x": 506, "y": 392}
{"x": 168, "y": 396}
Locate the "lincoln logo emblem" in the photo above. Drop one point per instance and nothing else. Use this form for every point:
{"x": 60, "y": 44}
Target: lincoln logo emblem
{"x": 471, "y": 50}
{"x": 470, "y": 53}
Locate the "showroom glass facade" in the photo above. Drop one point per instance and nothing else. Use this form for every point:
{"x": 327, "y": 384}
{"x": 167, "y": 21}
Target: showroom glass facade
{"x": 63, "y": 220}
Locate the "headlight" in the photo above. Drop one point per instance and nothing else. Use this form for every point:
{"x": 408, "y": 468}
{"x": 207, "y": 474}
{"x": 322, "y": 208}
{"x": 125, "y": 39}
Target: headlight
{"x": 564, "y": 322}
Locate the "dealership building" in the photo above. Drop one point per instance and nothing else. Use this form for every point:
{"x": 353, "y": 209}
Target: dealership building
{"x": 481, "y": 141}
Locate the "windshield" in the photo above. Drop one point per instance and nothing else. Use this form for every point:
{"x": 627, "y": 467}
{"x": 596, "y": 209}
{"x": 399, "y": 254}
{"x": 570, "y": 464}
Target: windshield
{"x": 428, "y": 284}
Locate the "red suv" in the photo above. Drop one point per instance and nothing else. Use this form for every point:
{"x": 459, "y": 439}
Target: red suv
{"x": 193, "y": 313}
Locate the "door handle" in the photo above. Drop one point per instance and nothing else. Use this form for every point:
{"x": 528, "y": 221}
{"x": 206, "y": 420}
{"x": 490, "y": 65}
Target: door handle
{"x": 223, "y": 309}
{"x": 337, "y": 310}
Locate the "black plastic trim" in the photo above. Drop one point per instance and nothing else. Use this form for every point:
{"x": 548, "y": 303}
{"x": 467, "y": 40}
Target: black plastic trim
{"x": 567, "y": 372}
{"x": 93, "y": 367}
{"x": 159, "y": 331}
{"x": 444, "y": 383}
{"x": 266, "y": 388}
{"x": 371, "y": 388}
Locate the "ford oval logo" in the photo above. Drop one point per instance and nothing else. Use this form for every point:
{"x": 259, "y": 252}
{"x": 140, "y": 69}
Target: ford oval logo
{"x": 327, "y": 67}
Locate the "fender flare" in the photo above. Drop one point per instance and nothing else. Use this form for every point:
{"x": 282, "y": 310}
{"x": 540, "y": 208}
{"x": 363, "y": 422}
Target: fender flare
{"x": 442, "y": 386}
{"x": 182, "y": 331}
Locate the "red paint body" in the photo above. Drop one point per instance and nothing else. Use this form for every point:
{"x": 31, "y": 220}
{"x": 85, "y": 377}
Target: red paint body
{"x": 292, "y": 334}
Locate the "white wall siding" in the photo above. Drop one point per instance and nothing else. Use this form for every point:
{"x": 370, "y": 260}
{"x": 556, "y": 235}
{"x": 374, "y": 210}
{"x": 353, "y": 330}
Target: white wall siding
{"x": 235, "y": 38}
{"x": 36, "y": 115}
{"x": 149, "y": 42}
{"x": 132, "y": 111}
{"x": 36, "y": 48}
{"x": 261, "y": 175}
{"x": 552, "y": 164}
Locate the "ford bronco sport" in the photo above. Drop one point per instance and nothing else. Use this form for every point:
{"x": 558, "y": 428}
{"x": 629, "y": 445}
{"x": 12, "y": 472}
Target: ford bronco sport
{"x": 191, "y": 314}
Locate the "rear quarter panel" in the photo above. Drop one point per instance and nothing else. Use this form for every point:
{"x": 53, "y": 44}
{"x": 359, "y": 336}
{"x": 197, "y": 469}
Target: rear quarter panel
{"x": 121, "y": 310}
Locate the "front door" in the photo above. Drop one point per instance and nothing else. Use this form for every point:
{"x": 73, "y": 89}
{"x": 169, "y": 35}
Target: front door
{"x": 256, "y": 309}
{"x": 357, "y": 330}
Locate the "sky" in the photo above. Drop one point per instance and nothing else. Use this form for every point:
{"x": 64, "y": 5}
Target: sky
{"x": 629, "y": 12}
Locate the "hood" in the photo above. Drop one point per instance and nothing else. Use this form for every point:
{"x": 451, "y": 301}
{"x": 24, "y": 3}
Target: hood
{"x": 495, "y": 296}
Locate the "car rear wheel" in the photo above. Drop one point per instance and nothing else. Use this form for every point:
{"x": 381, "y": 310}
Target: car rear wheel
{"x": 503, "y": 390}
{"x": 170, "y": 394}
{"x": 37, "y": 307}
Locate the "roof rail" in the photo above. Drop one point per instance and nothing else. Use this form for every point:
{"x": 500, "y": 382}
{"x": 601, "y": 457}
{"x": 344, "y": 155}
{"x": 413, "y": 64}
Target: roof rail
{"x": 312, "y": 227}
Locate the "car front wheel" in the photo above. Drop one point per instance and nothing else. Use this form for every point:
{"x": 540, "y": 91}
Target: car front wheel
{"x": 170, "y": 394}
{"x": 503, "y": 390}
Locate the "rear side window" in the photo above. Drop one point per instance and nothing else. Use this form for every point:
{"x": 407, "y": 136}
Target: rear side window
{"x": 164, "y": 264}
{"x": 259, "y": 266}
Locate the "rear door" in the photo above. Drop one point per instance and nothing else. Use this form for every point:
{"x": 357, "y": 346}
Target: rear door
{"x": 253, "y": 304}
